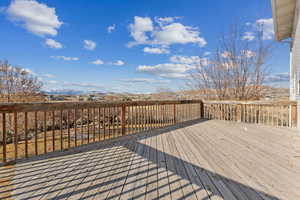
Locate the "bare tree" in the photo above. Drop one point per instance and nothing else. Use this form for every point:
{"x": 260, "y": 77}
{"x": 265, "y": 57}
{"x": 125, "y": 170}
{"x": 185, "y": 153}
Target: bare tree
{"x": 17, "y": 81}
{"x": 236, "y": 70}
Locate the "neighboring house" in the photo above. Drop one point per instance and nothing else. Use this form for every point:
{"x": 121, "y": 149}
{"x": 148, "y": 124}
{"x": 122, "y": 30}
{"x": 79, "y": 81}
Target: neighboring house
{"x": 55, "y": 98}
{"x": 287, "y": 26}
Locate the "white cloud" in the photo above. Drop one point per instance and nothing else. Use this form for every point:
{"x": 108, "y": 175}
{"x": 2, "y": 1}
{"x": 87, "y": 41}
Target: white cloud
{"x": 111, "y": 28}
{"x": 49, "y": 75}
{"x": 87, "y": 86}
{"x": 97, "y": 62}
{"x": 53, "y": 44}
{"x": 119, "y": 63}
{"x": 167, "y": 70}
{"x": 156, "y": 50}
{"x": 176, "y": 33}
{"x": 35, "y": 17}
{"x": 186, "y": 59}
{"x": 167, "y": 33}
{"x": 178, "y": 67}
{"x": 279, "y": 77}
{"x": 29, "y": 71}
{"x": 264, "y": 25}
{"x": 207, "y": 53}
{"x": 267, "y": 26}
{"x": 226, "y": 54}
{"x": 165, "y": 20}
{"x": 89, "y": 45}
{"x": 66, "y": 58}
{"x": 138, "y": 30}
{"x": 248, "y": 36}
{"x": 248, "y": 53}
{"x": 64, "y": 86}
{"x": 145, "y": 80}
{"x": 192, "y": 61}
{"x": 52, "y": 82}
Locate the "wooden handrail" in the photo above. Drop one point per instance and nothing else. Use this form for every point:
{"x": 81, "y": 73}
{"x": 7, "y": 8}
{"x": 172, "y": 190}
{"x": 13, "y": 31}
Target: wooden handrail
{"x": 31, "y": 107}
{"x": 253, "y": 102}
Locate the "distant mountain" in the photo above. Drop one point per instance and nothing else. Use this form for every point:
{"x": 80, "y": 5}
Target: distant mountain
{"x": 94, "y": 93}
{"x": 72, "y": 92}
{"x": 63, "y": 92}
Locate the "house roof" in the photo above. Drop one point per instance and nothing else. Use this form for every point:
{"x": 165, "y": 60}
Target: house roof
{"x": 283, "y": 16}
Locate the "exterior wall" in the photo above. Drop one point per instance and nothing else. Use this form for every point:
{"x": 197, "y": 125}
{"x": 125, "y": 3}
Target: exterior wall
{"x": 295, "y": 62}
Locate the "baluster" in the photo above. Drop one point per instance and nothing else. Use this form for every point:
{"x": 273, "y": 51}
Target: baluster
{"x": 68, "y": 126}
{"x": 104, "y": 122}
{"x": 99, "y": 123}
{"x": 4, "y": 139}
{"x": 109, "y": 122}
{"x": 53, "y": 130}
{"x": 130, "y": 119}
{"x": 26, "y": 133}
{"x": 36, "y": 133}
{"x": 45, "y": 132}
{"x": 75, "y": 126}
{"x": 94, "y": 125}
{"x": 88, "y": 125}
{"x": 61, "y": 130}
{"x": 123, "y": 120}
{"x": 113, "y": 122}
{"x": 81, "y": 126}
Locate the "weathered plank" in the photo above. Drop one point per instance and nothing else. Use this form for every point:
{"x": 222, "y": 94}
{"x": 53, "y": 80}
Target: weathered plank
{"x": 205, "y": 160}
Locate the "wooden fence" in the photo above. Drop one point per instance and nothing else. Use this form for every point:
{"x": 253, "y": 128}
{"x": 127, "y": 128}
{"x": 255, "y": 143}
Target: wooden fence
{"x": 29, "y": 129}
{"x": 280, "y": 114}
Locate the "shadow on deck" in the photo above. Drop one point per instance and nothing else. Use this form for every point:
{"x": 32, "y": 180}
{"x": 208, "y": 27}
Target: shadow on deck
{"x": 194, "y": 160}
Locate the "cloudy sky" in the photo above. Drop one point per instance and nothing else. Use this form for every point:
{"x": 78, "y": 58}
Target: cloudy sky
{"x": 125, "y": 46}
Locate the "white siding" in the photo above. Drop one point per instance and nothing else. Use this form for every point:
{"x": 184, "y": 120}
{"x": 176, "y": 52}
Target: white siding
{"x": 295, "y": 62}
{"x": 294, "y": 88}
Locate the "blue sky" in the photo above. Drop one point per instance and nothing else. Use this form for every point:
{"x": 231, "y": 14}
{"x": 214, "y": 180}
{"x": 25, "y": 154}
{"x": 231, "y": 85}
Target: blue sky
{"x": 124, "y": 45}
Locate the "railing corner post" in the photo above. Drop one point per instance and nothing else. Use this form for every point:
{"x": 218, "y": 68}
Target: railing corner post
{"x": 123, "y": 121}
{"x": 293, "y": 115}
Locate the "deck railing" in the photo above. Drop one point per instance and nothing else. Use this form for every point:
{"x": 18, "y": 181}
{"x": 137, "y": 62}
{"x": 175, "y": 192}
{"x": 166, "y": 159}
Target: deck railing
{"x": 29, "y": 129}
{"x": 280, "y": 114}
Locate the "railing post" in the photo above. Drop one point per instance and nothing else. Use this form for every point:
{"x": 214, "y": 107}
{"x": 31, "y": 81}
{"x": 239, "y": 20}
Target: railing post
{"x": 123, "y": 121}
{"x": 174, "y": 113}
{"x": 297, "y": 113}
{"x": 239, "y": 112}
{"x": 257, "y": 116}
{"x": 201, "y": 110}
{"x": 4, "y": 139}
{"x": 293, "y": 121}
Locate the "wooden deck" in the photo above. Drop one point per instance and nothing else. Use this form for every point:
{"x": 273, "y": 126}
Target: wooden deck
{"x": 196, "y": 160}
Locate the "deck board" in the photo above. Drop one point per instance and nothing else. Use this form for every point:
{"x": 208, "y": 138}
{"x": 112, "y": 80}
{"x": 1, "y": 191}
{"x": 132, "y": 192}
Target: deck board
{"x": 195, "y": 160}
